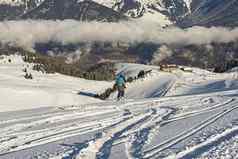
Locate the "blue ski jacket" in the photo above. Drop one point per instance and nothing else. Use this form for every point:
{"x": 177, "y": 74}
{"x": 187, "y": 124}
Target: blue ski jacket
{"x": 120, "y": 80}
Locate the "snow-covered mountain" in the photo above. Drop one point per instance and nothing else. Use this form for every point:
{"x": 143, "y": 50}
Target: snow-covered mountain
{"x": 138, "y": 8}
{"x": 212, "y": 13}
{"x": 162, "y": 11}
{"x": 72, "y": 9}
{"x": 182, "y": 12}
{"x": 57, "y": 9}
{"x": 10, "y": 9}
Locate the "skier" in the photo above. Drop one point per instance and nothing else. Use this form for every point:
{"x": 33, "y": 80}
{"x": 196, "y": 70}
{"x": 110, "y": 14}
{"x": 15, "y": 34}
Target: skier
{"x": 120, "y": 86}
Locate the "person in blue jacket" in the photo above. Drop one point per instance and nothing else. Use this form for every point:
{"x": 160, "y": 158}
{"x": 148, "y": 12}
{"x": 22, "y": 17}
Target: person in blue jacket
{"x": 120, "y": 85}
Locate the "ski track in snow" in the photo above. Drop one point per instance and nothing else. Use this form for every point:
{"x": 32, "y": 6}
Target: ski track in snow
{"x": 212, "y": 147}
{"x": 18, "y": 136}
{"x": 153, "y": 151}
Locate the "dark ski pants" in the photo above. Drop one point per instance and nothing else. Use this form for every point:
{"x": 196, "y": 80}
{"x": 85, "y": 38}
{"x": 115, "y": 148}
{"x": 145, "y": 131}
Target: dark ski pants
{"x": 121, "y": 92}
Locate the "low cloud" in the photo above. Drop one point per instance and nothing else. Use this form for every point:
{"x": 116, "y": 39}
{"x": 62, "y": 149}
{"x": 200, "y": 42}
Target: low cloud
{"x": 162, "y": 53}
{"x": 28, "y": 33}
{"x": 73, "y": 56}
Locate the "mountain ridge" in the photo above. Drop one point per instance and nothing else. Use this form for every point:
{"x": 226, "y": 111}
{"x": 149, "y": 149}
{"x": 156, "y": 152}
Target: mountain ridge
{"x": 183, "y": 13}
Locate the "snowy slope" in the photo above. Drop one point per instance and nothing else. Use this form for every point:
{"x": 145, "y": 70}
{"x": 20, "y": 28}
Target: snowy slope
{"x": 185, "y": 123}
{"x": 178, "y": 82}
{"x": 129, "y": 129}
{"x": 44, "y": 90}
{"x": 201, "y": 81}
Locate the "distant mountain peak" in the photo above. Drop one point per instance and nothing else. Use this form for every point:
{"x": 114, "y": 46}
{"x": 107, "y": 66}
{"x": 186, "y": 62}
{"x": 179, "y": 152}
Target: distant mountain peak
{"x": 163, "y": 12}
{"x": 86, "y": 10}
